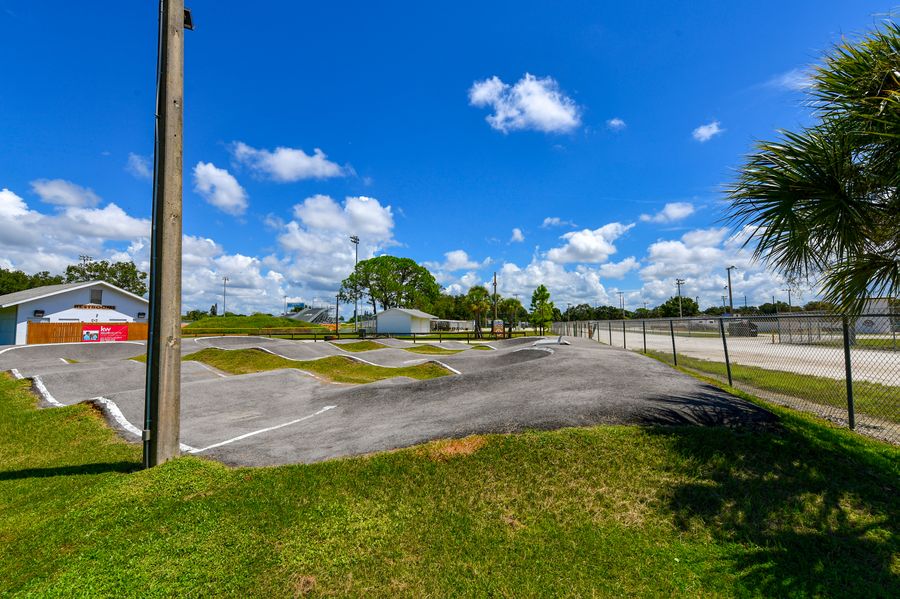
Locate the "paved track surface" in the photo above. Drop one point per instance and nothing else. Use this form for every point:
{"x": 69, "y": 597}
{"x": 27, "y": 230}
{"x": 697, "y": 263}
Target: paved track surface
{"x": 287, "y": 416}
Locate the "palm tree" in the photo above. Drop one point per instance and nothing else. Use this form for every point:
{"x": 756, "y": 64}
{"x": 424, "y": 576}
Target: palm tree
{"x": 478, "y": 301}
{"x": 824, "y": 203}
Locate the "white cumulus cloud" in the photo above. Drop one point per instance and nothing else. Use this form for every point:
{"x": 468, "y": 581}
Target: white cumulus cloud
{"x": 617, "y": 270}
{"x": 531, "y": 103}
{"x": 139, "y": 166}
{"x": 64, "y": 193}
{"x": 706, "y": 132}
{"x": 588, "y": 245}
{"x": 616, "y": 124}
{"x": 517, "y": 236}
{"x": 671, "y": 212}
{"x": 219, "y": 188}
{"x": 555, "y": 221}
{"x": 457, "y": 260}
{"x": 287, "y": 165}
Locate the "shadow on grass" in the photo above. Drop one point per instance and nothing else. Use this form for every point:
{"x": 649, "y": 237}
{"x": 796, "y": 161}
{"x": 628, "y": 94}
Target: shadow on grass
{"x": 100, "y": 468}
{"x": 810, "y": 513}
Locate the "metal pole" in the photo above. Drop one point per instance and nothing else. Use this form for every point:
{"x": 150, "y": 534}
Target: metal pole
{"x": 224, "y": 285}
{"x": 725, "y": 346}
{"x": 679, "y": 283}
{"x": 674, "y": 354}
{"x": 337, "y": 311}
{"x": 354, "y": 239}
{"x": 644, "y": 330}
{"x": 730, "y": 296}
{"x": 610, "y": 333}
{"x": 848, "y": 373}
{"x": 162, "y": 392}
{"x": 623, "y": 335}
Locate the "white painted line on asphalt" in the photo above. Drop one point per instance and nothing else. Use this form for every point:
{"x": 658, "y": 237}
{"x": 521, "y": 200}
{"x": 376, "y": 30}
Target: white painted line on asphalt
{"x": 212, "y": 370}
{"x": 262, "y": 430}
{"x": 16, "y": 374}
{"x": 450, "y": 368}
{"x": 42, "y": 391}
{"x": 3, "y": 351}
{"x": 113, "y": 411}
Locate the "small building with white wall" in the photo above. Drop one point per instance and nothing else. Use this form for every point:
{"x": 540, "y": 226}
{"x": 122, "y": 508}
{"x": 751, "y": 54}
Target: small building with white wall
{"x": 85, "y": 302}
{"x": 403, "y": 321}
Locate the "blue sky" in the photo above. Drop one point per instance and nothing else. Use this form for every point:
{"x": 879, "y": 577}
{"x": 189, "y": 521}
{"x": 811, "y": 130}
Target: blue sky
{"x": 602, "y": 135}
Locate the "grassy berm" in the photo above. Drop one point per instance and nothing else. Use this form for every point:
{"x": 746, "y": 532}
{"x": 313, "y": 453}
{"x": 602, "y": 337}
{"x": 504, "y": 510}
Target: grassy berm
{"x": 800, "y": 509}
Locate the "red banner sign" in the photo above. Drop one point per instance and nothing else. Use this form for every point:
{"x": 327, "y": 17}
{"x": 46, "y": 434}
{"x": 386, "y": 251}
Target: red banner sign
{"x": 104, "y": 332}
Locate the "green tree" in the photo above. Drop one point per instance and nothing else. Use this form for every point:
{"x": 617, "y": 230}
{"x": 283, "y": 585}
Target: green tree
{"x": 16, "y": 280}
{"x": 390, "y": 282}
{"x": 124, "y": 275}
{"x": 479, "y": 302}
{"x": 541, "y": 308}
{"x": 669, "y": 309}
{"x": 824, "y": 202}
{"x": 511, "y": 309}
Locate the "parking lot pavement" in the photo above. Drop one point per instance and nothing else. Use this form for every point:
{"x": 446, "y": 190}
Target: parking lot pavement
{"x": 286, "y": 416}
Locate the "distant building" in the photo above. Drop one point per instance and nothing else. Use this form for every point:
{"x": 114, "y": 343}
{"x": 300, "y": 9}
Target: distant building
{"x": 87, "y": 302}
{"x": 403, "y": 321}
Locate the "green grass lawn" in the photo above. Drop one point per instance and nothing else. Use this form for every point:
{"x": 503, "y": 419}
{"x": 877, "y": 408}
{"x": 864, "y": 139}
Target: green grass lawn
{"x": 256, "y": 321}
{"x": 357, "y": 346}
{"x": 432, "y": 350}
{"x": 881, "y": 401}
{"x": 802, "y": 509}
{"x": 339, "y": 369}
{"x": 482, "y": 347}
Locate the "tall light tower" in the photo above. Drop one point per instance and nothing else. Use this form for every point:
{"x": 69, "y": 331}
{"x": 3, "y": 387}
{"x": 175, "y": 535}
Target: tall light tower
{"x": 354, "y": 239}
{"x": 622, "y": 302}
{"x": 679, "y": 283}
{"x": 162, "y": 391}
{"x": 730, "y": 294}
{"x": 224, "y": 293}
{"x": 790, "y": 306}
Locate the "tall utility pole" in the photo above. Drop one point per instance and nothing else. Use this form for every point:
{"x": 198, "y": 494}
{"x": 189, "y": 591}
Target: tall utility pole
{"x": 224, "y": 293}
{"x": 790, "y": 306}
{"x": 495, "y": 300}
{"x": 730, "y": 295}
{"x": 285, "y": 305}
{"x": 162, "y": 396}
{"x": 679, "y": 283}
{"x": 354, "y": 239}
{"x": 622, "y": 302}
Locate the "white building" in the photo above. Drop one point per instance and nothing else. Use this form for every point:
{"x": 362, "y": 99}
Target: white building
{"x": 90, "y": 302}
{"x": 403, "y": 321}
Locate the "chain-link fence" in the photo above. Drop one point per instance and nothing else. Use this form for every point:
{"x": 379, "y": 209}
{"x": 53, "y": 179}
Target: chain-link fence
{"x": 846, "y": 370}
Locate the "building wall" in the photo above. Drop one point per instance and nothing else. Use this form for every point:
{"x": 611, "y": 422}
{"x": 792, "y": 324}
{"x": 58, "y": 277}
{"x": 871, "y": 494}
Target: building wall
{"x": 399, "y": 323}
{"x": 8, "y": 325}
{"x": 60, "y": 308}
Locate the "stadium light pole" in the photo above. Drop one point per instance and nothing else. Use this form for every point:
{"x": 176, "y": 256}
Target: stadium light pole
{"x": 790, "y": 306}
{"x": 224, "y": 293}
{"x": 162, "y": 390}
{"x": 679, "y": 283}
{"x": 730, "y": 295}
{"x": 354, "y": 239}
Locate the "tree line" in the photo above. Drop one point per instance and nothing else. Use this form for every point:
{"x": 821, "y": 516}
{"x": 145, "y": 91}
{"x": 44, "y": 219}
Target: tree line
{"x": 124, "y": 275}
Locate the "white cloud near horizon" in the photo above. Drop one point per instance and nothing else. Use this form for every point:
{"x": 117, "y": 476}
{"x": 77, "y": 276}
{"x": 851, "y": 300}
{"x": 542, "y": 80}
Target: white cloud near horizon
{"x": 457, "y": 260}
{"x": 287, "y": 165}
{"x": 531, "y": 103}
{"x": 671, "y": 212}
{"x": 706, "y": 132}
{"x": 219, "y": 188}
{"x": 139, "y": 166}
{"x": 64, "y": 193}
{"x": 588, "y": 245}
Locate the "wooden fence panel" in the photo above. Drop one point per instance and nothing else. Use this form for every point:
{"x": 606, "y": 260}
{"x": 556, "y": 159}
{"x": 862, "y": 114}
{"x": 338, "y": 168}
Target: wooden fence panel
{"x": 70, "y": 332}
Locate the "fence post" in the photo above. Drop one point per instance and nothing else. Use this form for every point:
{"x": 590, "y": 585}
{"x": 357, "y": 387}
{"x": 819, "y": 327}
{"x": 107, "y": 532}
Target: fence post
{"x": 609, "y": 323}
{"x": 624, "y": 342}
{"x": 848, "y": 369}
{"x": 644, "y": 330}
{"x": 674, "y": 353}
{"x": 725, "y": 347}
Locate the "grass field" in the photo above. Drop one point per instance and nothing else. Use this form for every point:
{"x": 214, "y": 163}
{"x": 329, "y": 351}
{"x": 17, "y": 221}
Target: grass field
{"x": 798, "y": 510}
{"x": 432, "y": 350}
{"x": 255, "y": 321}
{"x": 881, "y": 401}
{"x": 358, "y": 346}
{"x": 339, "y": 369}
